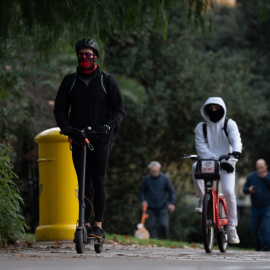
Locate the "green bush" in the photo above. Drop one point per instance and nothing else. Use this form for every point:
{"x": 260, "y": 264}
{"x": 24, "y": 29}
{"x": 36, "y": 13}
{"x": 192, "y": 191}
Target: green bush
{"x": 12, "y": 224}
{"x": 185, "y": 225}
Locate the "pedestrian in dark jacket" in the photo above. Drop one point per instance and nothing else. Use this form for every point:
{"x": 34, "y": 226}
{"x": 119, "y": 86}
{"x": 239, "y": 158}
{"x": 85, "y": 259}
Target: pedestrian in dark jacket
{"x": 90, "y": 98}
{"x": 156, "y": 187}
{"x": 258, "y": 186}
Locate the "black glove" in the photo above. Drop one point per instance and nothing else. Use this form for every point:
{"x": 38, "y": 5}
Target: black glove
{"x": 237, "y": 154}
{"x": 227, "y": 167}
{"x": 67, "y": 130}
{"x": 104, "y": 129}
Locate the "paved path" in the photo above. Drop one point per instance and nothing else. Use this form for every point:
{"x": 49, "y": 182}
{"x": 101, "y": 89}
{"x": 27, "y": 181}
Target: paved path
{"x": 62, "y": 255}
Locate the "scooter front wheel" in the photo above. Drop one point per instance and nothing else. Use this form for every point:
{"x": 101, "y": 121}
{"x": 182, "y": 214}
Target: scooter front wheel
{"x": 79, "y": 241}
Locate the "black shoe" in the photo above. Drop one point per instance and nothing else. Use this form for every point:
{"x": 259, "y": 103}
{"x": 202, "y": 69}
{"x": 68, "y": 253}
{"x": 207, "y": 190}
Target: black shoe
{"x": 88, "y": 229}
{"x": 97, "y": 232}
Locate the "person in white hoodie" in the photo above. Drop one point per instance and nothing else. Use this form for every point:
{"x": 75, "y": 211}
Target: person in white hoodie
{"x": 213, "y": 143}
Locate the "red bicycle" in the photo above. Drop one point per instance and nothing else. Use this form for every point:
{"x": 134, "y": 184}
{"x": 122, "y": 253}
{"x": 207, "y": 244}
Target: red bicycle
{"x": 214, "y": 212}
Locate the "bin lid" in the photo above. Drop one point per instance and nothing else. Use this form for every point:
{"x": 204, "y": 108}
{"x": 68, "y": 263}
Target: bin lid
{"x": 51, "y": 135}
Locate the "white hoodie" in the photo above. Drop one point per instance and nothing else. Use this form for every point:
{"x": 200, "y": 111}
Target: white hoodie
{"x": 217, "y": 141}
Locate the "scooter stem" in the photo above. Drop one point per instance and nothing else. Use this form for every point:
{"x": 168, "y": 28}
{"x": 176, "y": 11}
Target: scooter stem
{"x": 82, "y": 187}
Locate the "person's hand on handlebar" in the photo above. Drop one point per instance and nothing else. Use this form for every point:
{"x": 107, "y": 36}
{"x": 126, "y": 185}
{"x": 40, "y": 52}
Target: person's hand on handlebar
{"x": 227, "y": 167}
{"x": 104, "y": 129}
{"x": 67, "y": 130}
{"x": 237, "y": 154}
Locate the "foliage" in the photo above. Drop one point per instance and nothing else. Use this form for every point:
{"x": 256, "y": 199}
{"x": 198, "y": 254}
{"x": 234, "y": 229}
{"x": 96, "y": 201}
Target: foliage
{"x": 12, "y": 225}
{"x": 15, "y": 107}
{"x": 185, "y": 225}
{"x": 257, "y": 35}
{"x": 178, "y": 75}
{"x": 164, "y": 84}
{"x": 178, "y": 78}
{"x": 49, "y": 21}
{"x": 127, "y": 163}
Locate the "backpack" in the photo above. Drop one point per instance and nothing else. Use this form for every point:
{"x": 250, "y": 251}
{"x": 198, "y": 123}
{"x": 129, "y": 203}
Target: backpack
{"x": 224, "y": 127}
{"x": 103, "y": 74}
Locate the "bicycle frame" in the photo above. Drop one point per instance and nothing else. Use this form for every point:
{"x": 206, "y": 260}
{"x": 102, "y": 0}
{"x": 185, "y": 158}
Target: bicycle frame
{"x": 216, "y": 199}
{"x": 213, "y": 220}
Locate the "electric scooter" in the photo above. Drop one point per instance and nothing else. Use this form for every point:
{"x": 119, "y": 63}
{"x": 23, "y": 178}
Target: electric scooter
{"x": 80, "y": 236}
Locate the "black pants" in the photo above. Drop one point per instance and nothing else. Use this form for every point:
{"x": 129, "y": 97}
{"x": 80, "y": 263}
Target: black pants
{"x": 96, "y": 165}
{"x": 159, "y": 223}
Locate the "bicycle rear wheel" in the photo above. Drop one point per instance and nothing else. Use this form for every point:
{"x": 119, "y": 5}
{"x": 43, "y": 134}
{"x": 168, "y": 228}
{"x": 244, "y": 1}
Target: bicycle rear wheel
{"x": 222, "y": 236}
{"x": 207, "y": 223}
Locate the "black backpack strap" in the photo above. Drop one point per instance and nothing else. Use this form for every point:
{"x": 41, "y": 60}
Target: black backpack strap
{"x": 73, "y": 82}
{"x": 205, "y": 131}
{"x": 225, "y": 127}
{"x": 103, "y": 82}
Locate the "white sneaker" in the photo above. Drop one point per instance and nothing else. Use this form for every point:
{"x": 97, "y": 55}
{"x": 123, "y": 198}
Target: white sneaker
{"x": 198, "y": 209}
{"x": 232, "y": 234}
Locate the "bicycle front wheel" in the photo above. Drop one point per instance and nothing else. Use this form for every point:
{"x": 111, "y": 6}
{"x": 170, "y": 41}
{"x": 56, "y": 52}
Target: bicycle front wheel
{"x": 207, "y": 223}
{"x": 222, "y": 236}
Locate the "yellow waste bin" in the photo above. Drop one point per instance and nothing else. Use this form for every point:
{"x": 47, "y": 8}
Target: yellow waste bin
{"x": 58, "y": 188}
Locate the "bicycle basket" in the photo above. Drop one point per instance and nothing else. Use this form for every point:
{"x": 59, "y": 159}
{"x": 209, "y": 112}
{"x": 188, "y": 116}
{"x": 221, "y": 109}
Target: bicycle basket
{"x": 207, "y": 169}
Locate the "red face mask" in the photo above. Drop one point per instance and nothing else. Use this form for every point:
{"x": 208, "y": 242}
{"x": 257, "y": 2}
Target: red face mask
{"x": 87, "y": 65}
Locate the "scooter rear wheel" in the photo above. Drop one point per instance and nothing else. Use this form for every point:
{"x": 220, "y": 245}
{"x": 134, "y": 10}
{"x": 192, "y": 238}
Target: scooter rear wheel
{"x": 79, "y": 243}
{"x": 98, "y": 248}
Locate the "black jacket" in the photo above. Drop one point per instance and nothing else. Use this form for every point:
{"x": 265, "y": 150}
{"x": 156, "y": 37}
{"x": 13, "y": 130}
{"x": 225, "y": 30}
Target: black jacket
{"x": 155, "y": 190}
{"x": 261, "y": 198}
{"x": 88, "y": 103}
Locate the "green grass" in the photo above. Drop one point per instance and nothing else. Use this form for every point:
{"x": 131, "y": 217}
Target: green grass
{"x": 131, "y": 240}
{"x": 28, "y": 237}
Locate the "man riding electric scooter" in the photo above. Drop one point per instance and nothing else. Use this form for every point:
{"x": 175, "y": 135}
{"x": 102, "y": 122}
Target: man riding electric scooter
{"x": 90, "y": 98}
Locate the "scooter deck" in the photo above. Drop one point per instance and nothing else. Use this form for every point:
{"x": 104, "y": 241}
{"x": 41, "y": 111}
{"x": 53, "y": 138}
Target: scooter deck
{"x": 94, "y": 240}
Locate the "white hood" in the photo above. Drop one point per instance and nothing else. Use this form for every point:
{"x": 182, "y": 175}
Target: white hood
{"x": 213, "y": 100}
{"x": 217, "y": 142}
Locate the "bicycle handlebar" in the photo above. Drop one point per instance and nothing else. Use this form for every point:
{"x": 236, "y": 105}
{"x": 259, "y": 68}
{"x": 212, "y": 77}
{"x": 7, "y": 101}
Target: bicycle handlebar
{"x": 196, "y": 157}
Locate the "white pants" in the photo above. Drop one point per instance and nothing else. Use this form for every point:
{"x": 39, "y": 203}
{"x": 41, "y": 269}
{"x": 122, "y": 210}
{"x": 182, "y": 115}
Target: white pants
{"x": 228, "y": 184}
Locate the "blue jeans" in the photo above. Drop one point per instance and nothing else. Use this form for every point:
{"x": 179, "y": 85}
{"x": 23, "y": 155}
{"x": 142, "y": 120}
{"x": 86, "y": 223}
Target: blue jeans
{"x": 159, "y": 222}
{"x": 260, "y": 227}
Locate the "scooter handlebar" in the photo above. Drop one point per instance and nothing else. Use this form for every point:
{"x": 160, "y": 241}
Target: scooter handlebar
{"x": 83, "y": 131}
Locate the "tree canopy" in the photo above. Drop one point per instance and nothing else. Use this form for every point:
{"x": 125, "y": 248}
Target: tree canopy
{"x": 178, "y": 75}
{"x": 49, "y": 21}
{"x": 164, "y": 83}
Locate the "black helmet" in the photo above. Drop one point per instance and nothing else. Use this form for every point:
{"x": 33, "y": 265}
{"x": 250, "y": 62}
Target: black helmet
{"x": 86, "y": 43}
